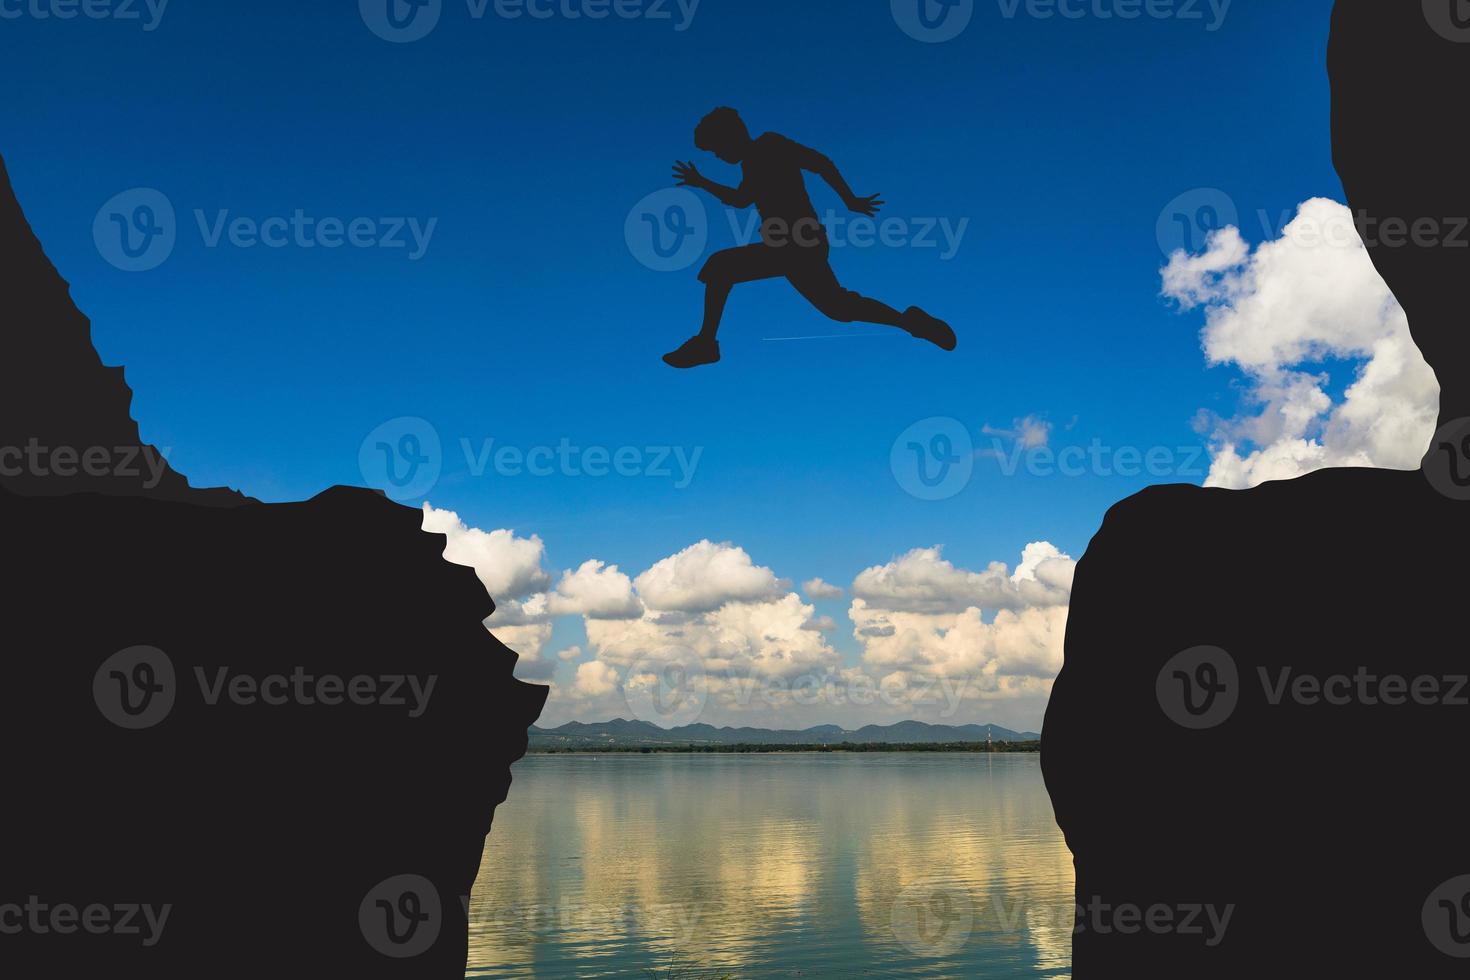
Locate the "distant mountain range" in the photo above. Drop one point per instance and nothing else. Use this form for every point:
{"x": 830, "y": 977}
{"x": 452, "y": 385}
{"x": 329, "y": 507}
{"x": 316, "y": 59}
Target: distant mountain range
{"x": 621, "y": 732}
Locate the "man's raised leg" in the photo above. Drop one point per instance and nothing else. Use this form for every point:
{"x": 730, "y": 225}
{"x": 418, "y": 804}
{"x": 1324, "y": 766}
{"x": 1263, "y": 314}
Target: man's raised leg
{"x": 821, "y": 288}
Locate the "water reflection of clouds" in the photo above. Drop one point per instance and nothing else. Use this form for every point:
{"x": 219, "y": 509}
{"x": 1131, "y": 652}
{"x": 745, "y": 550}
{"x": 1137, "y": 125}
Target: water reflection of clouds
{"x": 608, "y": 865}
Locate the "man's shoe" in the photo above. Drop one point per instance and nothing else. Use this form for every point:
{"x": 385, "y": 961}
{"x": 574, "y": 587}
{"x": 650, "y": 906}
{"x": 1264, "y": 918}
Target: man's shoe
{"x": 695, "y": 351}
{"x": 926, "y": 327}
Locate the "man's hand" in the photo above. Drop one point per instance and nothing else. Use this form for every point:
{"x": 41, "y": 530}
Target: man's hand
{"x": 865, "y": 205}
{"x": 687, "y": 176}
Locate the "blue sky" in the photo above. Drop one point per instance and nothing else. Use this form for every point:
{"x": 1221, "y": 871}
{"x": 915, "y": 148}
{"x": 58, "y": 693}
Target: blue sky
{"x": 528, "y": 320}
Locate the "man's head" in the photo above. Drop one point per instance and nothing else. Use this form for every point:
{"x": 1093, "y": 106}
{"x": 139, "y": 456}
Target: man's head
{"x": 724, "y": 134}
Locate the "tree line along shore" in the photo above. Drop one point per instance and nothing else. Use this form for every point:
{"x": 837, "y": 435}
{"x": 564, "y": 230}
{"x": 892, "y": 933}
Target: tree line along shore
{"x": 1031, "y": 746}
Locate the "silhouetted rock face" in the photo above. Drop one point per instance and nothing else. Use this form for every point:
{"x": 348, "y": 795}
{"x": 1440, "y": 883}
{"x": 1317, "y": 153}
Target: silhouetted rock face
{"x": 1263, "y": 709}
{"x": 1399, "y": 72}
{"x": 1327, "y": 826}
{"x": 64, "y": 417}
{"x": 253, "y": 740}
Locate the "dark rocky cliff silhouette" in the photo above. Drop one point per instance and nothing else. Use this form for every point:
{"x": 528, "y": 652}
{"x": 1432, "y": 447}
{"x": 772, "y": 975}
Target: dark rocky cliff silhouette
{"x": 1398, "y": 70}
{"x": 278, "y": 836}
{"x": 1335, "y": 832}
{"x": 58, "y": 401}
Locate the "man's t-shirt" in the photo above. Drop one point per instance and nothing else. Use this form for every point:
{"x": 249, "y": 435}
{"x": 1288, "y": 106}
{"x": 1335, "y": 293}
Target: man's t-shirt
{"x": 773, "y": 179}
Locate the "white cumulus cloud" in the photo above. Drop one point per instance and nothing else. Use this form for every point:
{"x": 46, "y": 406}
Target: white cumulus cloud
{"x": 919, "y": 618}
{"x": 1280, "y": 313}
{"x": 816, "y": 588}
{"x": 595, "y": 590}
{"x": 509, "y": 566}
{"x": 923, "y": 581}
{"x": 595, "y": 679}
{"x": 705, "y": 576}
{"x": 746, "y": 639}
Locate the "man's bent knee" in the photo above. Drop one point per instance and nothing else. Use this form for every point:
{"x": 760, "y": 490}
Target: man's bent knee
{"x": 719, "y": 268}
{"x": 841, "y": 306}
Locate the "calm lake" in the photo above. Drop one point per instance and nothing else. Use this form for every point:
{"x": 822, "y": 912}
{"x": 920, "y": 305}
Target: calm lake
{"x": 774, "y": 865}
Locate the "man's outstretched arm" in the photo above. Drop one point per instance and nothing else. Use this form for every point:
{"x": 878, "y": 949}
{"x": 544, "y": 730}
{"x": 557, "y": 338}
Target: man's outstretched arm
{"x": 821, "y": 165}
{"x": 688, "y": 176}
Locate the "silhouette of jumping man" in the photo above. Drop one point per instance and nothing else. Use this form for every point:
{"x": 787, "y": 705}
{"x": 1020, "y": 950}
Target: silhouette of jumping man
{"x": 793, "y": 241}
